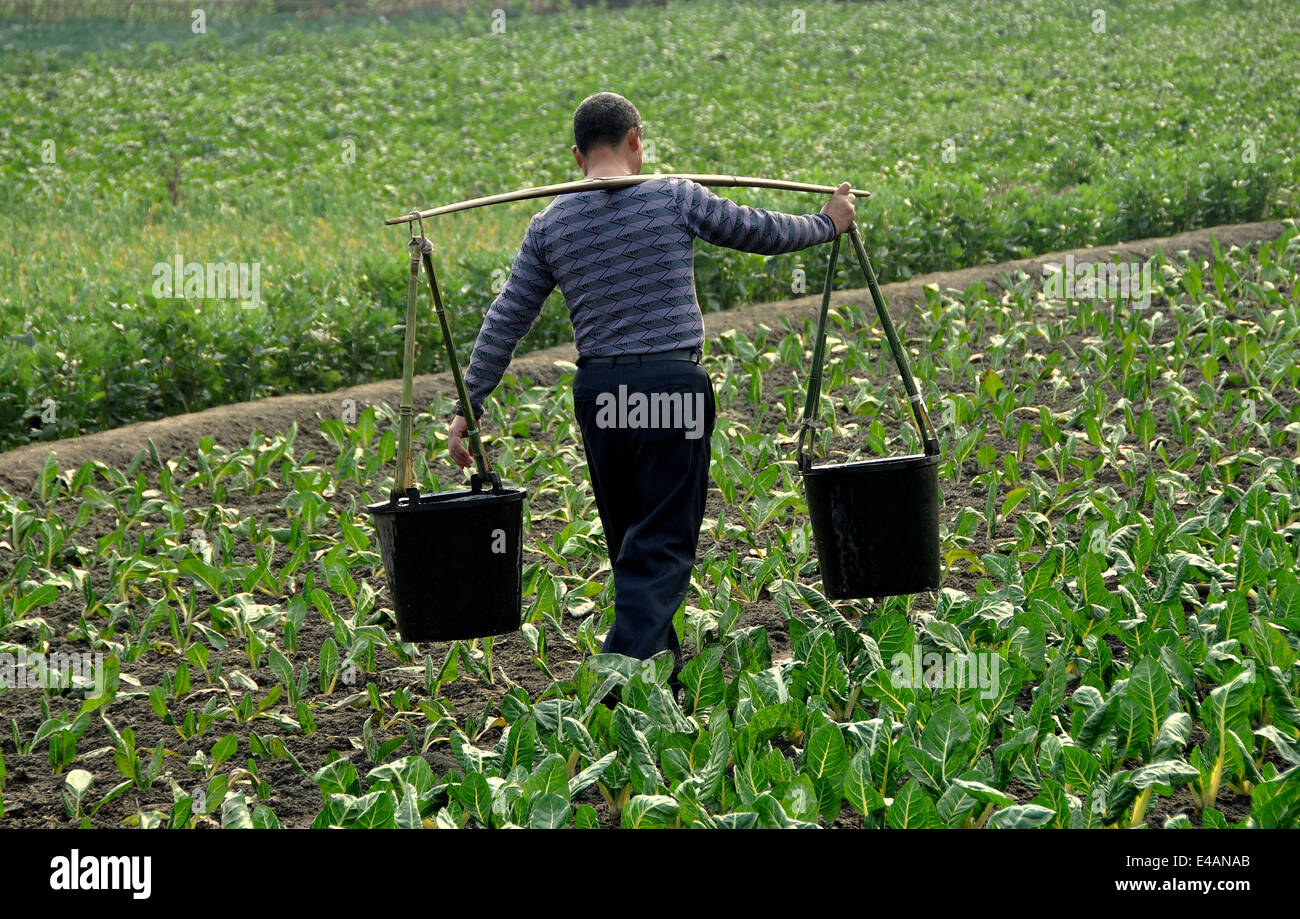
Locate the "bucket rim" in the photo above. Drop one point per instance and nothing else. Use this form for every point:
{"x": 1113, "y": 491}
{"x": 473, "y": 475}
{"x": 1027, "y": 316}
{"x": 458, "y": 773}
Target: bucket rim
{"x": 440, "y": 499}
{"x": 908, "y": 461}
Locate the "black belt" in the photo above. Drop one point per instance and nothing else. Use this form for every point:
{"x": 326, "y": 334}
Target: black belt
{"x": 694, "y": 355}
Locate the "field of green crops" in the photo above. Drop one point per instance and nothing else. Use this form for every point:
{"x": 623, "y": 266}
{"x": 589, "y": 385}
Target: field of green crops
{"x": 1120, "y": 528}
{"x": 986, "y": 130}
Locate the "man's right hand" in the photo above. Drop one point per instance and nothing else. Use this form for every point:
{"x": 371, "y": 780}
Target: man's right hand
{"x": 455, "y": 438}
{"x": 840, "y": 208}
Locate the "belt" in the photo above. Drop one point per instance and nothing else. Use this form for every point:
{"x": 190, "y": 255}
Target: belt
{"x": 694, "y": 355}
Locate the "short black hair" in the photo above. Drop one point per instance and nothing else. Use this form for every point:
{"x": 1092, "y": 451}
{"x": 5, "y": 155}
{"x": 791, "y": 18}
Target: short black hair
{"x": 603, "y": 119}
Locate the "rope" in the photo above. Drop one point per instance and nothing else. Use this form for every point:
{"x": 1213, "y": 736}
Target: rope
{"x": 421, "y": 250}
{"x": 919, "y": 414}
{"x": 481, "y": 463}
{"x": 405, "y": 472}
{"x": 812, "y": 404}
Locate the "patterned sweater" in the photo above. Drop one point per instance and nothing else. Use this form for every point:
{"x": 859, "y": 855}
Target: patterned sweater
{"x": 624, "y": 261}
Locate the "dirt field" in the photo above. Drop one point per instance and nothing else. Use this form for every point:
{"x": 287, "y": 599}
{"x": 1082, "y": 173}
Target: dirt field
{"x": 32, "y": 792}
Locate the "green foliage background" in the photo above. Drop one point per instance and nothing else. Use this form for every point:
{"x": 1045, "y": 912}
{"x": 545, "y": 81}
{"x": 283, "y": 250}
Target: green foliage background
{"x": 230, "y": 146}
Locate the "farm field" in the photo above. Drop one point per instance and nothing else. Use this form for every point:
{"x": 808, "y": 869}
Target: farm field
{"x": 986, "y": 130}
{"x": 1120, "y": 519}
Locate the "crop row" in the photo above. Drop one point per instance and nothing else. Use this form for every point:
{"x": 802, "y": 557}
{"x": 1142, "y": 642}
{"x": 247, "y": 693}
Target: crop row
{"x": 1116, "y": 643}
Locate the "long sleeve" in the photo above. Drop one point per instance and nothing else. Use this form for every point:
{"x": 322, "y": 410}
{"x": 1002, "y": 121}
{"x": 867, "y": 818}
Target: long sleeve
{"x": 508, "y": 319}
{"x": 722, "y": 222}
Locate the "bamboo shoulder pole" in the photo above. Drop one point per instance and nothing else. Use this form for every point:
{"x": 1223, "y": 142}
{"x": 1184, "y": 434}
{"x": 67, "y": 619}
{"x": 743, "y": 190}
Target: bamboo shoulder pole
{"x": 612, "y": 182}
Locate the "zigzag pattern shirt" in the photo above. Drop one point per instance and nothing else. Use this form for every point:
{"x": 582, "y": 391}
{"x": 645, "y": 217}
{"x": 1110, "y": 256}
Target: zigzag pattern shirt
{"x": 624, "y": 261}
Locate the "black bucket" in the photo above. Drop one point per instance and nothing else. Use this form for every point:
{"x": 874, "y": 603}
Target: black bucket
{"x": 876, "y": 525}
{"x": 454, "y": 562}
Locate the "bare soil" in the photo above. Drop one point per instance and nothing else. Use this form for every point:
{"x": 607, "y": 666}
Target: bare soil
{"x": 32, "y": 792}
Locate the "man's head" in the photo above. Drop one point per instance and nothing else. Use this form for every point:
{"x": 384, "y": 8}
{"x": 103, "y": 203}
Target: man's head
{"x": 607, "y": 133}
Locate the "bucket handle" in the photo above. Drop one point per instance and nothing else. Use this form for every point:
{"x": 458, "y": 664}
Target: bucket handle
{"x": 476, "y": 482}
{"x": 919, "y": 413}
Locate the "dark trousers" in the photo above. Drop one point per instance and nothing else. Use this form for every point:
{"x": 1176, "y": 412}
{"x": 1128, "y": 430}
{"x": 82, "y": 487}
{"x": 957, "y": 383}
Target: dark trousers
{"x": 650, "y": 485}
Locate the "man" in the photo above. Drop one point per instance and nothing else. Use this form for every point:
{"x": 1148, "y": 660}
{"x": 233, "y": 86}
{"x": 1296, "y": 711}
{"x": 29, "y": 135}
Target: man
{"x": 623, "y": 259}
